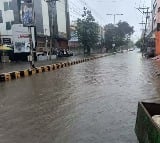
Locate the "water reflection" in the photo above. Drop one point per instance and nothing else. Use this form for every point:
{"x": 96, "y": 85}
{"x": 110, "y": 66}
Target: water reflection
{"x": 88, "y": 102}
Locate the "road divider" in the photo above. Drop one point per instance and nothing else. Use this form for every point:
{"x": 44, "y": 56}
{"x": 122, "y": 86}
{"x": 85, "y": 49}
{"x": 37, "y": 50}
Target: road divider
{"x": 28, "y": 72}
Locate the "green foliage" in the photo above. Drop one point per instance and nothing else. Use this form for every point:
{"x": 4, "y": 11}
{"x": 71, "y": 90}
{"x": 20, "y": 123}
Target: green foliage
{"x": 87, "y": 31}
{"x": 119, "y": 34}
{"x": 125, "y": 29}
{"x": 139, "y": 43}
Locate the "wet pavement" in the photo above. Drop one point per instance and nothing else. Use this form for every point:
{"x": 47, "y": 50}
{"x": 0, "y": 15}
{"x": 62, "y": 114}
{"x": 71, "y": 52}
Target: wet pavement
{"x": 17, "y": 66}
{"x": 92, "y": 102}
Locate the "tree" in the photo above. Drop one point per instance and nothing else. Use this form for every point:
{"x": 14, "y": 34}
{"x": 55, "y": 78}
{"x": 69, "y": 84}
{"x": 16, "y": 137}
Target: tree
{"x": 87, "y": 31}
{"x": 109, "y": 35}
{"x": 118, "y": 35}
{"x": 139, "y": 43}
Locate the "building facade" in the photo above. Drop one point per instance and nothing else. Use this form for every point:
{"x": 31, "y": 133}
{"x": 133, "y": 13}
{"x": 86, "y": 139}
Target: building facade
{"x": 153, "y": 29}
{"x": 10, "y": 14}
{"x": 8, "y": 17}
{"x": 62, "y": 10}
{"x": 156, "y": 24}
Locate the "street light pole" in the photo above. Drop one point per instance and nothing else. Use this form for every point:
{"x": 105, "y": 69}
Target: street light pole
{"x": 114, "y": 22}
{"x": 46, "y": 42}
{"x": 114, "y": 15}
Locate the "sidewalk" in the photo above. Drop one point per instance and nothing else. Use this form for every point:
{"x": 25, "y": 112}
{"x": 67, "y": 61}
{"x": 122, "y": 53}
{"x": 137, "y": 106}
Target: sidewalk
{"x": 17, "y": 66}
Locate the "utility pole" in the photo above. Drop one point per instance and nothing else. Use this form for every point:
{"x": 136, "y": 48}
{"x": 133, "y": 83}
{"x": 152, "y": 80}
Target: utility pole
{"x": 46, "y": 44}
{"x": 144, "y": 11}
{"x": 53, "y": 24}
{"x": 67, "y": 20}
{"x": 31, "y": 58}
{"x": 145, "y": 30}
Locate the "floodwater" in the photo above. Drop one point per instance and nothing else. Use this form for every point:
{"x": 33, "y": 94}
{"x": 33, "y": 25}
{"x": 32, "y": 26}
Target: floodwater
{"x": 92, "y": 102}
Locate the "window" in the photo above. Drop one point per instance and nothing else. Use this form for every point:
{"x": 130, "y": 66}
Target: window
{"x": 1, "y": 18}
{"x": 28, "y": 1}
{"x": 8, "y": 25}
{"x": 10, "y": 5}
{"x": 7, "y": 6}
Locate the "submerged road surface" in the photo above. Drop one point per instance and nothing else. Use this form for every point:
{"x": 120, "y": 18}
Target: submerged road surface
{"x": 92, "y": 102}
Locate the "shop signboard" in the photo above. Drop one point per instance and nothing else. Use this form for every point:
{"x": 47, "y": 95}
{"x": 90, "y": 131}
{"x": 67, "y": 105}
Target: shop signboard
{"x": 20, "y": 39}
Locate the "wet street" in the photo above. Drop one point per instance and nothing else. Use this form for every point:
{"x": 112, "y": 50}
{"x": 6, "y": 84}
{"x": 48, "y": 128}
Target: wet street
{"x": 92, "y": 102}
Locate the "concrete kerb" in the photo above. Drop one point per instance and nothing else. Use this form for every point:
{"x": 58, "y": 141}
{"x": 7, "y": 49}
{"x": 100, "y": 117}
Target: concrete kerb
{"x": 38, "y": 70}
{"x": 28, "y": 72}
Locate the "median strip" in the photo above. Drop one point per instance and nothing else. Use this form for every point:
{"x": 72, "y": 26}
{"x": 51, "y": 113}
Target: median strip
{"x": 28, "y": 72}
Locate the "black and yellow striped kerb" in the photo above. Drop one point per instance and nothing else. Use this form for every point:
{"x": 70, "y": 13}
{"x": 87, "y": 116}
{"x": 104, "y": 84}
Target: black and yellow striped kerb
{"x": 62, "y": 65}
{"x": 65, "y": 64}
{"x": 28, "y": 72}
{"x": 38, "y": 70}
{"x": 58, "y": 66}
{"x": 14, "y": 75}
{"x": 2, "y": 77}
{"x": 54, "y": 67}
{"x": 24, "y": 73}
{"x": 42, "y": 68}
{"x": 69, "y": 63}
{"x": 5, "y": 77}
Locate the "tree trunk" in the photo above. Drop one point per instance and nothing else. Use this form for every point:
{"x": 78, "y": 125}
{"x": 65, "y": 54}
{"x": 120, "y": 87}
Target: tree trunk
{"x": 88, "y": 50}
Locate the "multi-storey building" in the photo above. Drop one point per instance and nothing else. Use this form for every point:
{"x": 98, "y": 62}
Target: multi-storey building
{"x": 154, "y": 25}
{"x": 63, "y": 23}
{"x": 157, "y": 27}
{"x": 8, "y": 17}
{"x": 10, "y": 14}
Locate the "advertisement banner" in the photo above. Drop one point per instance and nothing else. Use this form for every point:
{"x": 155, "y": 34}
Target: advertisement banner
{"x": 27, "y": 13}
{"x": 20, "y": 38}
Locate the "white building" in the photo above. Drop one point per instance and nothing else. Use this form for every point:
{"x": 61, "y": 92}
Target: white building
{"x": 10, "y": 14}
{"x": 7, "y": 19}
{"x": 61, "y": 18}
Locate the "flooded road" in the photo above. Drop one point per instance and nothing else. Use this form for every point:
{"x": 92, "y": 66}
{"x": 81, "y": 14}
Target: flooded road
{"x": 92, "y": 102}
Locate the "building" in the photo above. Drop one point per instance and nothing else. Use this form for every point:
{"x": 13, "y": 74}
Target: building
{"x": 157, "y": 27}
{"x": 63, "y": 23}
{"x": 8, "y": 17}
{"x": 10, "y": 13}
{"x": 153, "y": 29}
{"x": 101, "y": 34}
{"x": 73, "y": 42}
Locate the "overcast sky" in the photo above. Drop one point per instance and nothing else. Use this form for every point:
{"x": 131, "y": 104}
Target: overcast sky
{"x": 100, "y": 8}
